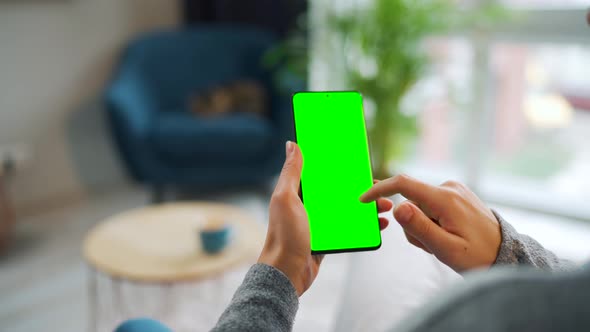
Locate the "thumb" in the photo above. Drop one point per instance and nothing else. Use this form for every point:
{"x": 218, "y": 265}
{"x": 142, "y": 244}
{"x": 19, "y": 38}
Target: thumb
{"x": 291, "y": 173}
{"x": 416, "y": 224}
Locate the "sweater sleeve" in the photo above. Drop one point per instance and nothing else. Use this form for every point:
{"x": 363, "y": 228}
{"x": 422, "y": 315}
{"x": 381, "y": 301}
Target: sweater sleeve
{"x": 520, "y": 249}
{"x": 266, "y": 301}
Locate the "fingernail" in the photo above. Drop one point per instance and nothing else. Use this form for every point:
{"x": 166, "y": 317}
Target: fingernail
{"x": 289, "y": 147}
{"x": 403, "y": 214}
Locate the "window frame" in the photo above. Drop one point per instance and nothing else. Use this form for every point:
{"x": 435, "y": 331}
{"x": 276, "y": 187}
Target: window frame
{"x": 567, "y": 26}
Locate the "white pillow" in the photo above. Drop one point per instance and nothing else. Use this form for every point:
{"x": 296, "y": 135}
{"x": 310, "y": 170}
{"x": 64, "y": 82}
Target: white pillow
{"x": 384, "y": 286}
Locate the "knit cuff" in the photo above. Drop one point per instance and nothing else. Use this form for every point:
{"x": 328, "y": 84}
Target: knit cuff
{"x": 507, "y": 253}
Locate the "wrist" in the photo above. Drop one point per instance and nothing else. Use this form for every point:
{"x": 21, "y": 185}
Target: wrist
{"x": 287, "y": 266}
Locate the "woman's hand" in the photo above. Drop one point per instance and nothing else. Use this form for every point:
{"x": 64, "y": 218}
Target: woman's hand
{"x": 287, "y": 246}
{"x": 448, "y": 221}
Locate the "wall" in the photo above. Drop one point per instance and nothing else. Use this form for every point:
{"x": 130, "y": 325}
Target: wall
{"x": 55, "y": 57}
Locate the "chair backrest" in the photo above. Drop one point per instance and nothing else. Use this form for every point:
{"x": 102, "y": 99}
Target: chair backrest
{"x": 177, "y": 63}
{"x": 279, "y": 16}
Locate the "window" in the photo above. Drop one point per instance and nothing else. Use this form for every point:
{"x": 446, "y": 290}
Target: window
{"x": 540, "y": 131}
{"x": 506, "y": 111}
{"x": 509, "y": 112}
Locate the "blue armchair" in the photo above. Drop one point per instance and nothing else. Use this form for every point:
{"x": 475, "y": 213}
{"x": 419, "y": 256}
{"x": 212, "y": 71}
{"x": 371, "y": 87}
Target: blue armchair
{"x": 162, "y": 143}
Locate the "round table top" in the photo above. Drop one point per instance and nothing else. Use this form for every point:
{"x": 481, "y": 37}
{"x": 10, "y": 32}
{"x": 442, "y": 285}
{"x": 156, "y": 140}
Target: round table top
{"x": 161, "y": 243}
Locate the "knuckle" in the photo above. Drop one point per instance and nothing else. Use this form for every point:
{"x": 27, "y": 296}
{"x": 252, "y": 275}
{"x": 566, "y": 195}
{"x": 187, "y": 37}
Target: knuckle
{"x": 415, "y": 243}
{"x": 287, "y": 166}
{"x": 425, "y": 228}
{"x": 452, "y": 184}
{"x": 280, "y": 197}
{"x": 455, "y": 253}
{"x": 408, "y": 236}
{"x": 399, "y": 180}
{"x": 402, "y": 178}
{"x": 454, "y": 197}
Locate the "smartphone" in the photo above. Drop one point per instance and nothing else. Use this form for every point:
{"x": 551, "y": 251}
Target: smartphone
{"x": 331, "y": 133}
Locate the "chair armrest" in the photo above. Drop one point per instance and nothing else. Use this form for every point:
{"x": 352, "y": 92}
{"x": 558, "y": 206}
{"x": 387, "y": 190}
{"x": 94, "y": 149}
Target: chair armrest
{"x": 132, "y": 108}
{"x": 131, "y": 104}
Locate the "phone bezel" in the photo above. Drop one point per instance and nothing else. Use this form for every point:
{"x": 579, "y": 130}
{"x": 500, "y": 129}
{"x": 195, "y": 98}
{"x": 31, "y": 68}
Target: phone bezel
{"x": 344, "y": 250}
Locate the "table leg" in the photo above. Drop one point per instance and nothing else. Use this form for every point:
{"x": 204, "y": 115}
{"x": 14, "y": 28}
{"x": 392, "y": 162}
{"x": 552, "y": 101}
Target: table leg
{"x": 117, "y": 299}
{"x": 92, "y": 300}
{"x": 167, "y": 301}
{"x": 6, "y": 216}
{"x": 219, "y": 295}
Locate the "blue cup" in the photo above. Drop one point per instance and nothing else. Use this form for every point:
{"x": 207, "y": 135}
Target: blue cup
{"x": 214, "y": 241}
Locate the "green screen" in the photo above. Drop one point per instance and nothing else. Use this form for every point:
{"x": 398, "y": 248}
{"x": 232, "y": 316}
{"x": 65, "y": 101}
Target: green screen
{"x": 330, "y": 130}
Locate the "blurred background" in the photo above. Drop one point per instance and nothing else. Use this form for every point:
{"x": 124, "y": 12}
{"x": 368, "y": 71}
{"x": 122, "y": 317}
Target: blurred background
{"x": 108, "y": 106}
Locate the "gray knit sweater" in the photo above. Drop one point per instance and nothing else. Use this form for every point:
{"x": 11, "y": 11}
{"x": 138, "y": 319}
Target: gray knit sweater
{"x": 499, "y": 300}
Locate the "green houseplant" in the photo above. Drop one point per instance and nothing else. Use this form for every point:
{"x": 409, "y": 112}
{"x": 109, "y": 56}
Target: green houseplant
{"x": 386, "y": 37}
{"x": 384, "y": 58}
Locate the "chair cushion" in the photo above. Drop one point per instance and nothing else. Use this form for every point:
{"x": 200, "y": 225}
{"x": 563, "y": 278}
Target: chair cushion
{"x": 191, "y": 140}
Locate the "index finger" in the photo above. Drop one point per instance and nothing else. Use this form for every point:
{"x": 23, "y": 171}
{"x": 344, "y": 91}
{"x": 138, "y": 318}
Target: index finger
{"x": 408, "y": 187}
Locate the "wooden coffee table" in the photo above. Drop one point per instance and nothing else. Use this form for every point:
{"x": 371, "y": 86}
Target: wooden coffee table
{"x": 157, "y": 248}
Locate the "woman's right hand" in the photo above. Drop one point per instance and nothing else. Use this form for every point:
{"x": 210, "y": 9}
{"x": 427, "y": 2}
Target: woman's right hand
{"x": 449, "y": 221}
